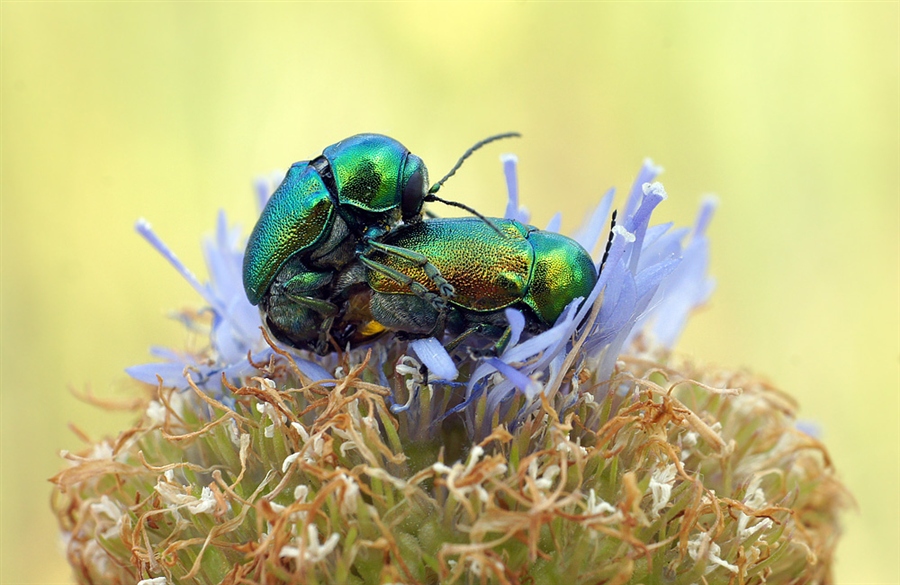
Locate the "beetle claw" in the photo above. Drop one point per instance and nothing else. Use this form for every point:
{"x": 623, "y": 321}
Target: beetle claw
{"x": 436, "y": 301}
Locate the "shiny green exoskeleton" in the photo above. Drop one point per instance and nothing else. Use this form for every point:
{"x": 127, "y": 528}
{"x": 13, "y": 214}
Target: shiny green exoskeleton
{"x": 536, "y": 271}
{"x": 325, "y": 213}
{"x": 360, "y": 187}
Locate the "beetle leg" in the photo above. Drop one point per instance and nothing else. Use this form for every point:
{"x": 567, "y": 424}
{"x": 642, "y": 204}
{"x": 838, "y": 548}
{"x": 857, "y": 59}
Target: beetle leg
{"x": 417, "y": 289}
{"x": 434, "y": 275}
{"x": 322, "y": 307}
{"x": 454, "y": 343}
{"x": 497, "y": 348}
{"x": 501, "y": 344}
{"x": 482, "y": 329}
{"x": 322, "y": 344}
{"x": 306, "y": 281}
{"x": 440, "y": 324}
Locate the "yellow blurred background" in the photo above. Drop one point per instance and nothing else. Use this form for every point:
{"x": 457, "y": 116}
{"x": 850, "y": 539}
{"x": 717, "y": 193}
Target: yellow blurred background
{"x": 789, "y": 112}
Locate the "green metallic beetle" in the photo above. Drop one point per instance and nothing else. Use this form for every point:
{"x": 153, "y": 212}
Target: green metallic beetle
{"x": 358, "y": 188}
{"x": 536, "y": 271}
{"x": 325, "y": 213}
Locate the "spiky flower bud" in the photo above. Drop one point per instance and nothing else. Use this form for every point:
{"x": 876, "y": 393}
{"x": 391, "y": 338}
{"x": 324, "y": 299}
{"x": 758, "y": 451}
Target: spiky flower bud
{"x": 585, "y": 454}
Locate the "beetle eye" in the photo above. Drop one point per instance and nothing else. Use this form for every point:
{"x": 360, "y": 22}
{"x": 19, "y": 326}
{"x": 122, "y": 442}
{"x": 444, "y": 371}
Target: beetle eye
{"x": 415, "y": 188}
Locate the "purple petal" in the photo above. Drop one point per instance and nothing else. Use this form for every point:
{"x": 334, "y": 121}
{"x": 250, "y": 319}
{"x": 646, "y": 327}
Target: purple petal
{"x": 168, "y": 354}
{"x": 616, "y": 313}
{"x": 647, "y": 281}
{"x": 654, "y": 194}
{"x": 525, "y": 384}
{"x": 687, "y": 288}
{"x": 707, "y": 209}
{"x": 661, "y": 249}
{"x": 589, "y": 234}
{"x": 513, "y": 210}
{"x": 265, "y": 185}
{"x": 621, "y": 239}
{"x": 144, "y": 229}
{"x": 555, "y": 222}
{"x": 548, "y": 345}
{"x": 171, "y": 374}
{"x": 648, "y": 172}
{"x": 516, "y": 321}
{"x": 533, "y": 346}
{"x": 432, "y": 354}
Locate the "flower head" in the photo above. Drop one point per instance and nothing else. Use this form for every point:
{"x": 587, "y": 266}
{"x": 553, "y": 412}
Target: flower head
{"x": 585, "y": 453}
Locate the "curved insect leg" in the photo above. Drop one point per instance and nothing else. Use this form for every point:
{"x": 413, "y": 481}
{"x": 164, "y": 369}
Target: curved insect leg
{"x": 482, "y": 329}
{"x": 436, "y": 301}
{"x": 445, "y": 289}
{"x": 299, "y": 289}
{"x": 326, "y": 309}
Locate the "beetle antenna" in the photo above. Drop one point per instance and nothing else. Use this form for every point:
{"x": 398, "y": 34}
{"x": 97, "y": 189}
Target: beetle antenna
{"x": 433, "y": 197}
{"x": 434, "y": 188}
{"x": 612, "y": 224}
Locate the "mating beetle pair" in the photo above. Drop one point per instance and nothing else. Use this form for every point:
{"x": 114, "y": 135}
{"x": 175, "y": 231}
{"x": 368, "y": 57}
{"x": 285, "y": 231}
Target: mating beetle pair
{"x": 325, "y": 214}
{"x": 341, "y": 246}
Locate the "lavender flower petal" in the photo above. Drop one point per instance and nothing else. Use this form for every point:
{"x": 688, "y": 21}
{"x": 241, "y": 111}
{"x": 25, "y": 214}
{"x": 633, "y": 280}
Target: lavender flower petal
{"x": 513, "y": 210}
{"x": 688, "y": 287}
{"x": 142, "y": 226}
{"x": 637, "y": 224}
{"x": 432, "y": 353}
{"x": 525, "y": 384}
{"x": 555, "y": 222}
{"x": 516, "y": 321}
{"x": 648, "y": 172}
{"x": 589, "y": 235}
{"x": 170, "y": 373}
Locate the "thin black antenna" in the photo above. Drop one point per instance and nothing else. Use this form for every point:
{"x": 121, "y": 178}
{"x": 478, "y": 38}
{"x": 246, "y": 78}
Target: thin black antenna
{"x": 434, "y": 188}
{"x": 612, "y": 224}
{"x": 433, "y": 197}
